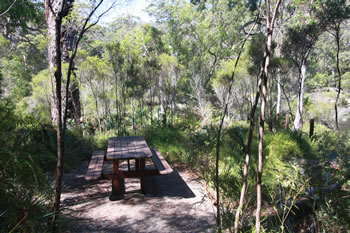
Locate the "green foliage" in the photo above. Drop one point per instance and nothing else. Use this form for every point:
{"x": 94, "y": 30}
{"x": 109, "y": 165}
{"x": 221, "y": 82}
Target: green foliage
{"x": 300, "y": 40}
{"x": 330, "y": 178}
{"x": 256, "y": 52}
{"x": 21, "y": 14}
{"x": 283, "y": 151}
{"x": 28, "y": 155}
{"x": 25, "y": 189}
{"x": 319, "y": 80}
{"x": 169, "y": 141}
{"x": 38, "y": 104}
{"x": 15, "y": 78}
{"x": 286, "y": 145}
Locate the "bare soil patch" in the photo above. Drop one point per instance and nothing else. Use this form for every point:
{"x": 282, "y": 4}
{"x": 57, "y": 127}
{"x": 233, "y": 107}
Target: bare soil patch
{"x": 177, "y": 202}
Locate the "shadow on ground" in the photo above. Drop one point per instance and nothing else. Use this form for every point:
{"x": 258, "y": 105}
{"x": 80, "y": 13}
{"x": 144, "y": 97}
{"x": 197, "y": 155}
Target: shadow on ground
{"x": 174, "y": 203}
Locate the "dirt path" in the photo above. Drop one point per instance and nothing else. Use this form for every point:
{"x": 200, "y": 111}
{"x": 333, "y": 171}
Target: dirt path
{"x": 174, "y": 203}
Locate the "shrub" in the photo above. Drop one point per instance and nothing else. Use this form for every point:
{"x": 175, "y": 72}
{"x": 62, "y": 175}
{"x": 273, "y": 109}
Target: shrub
{"x": 25, "y": 191}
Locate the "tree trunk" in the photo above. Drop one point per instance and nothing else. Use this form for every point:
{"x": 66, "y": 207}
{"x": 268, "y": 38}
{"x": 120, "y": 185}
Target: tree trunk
{"x": 54, "y": 22}
{"x": 279, "y": 93}
{"x": 151, "y": 90}
{"x": 298, "y": 122}
{"x": 262, "y": 80}
{"x": 133, "y": 113}
{"x": 247, "y": 159}
{"x": 261, "y": 141}
{"x": 97, "y": 108}
{"x": 337, "y": 38}
{"x": 270, "y": 27}
{"x": 218, "y": 141}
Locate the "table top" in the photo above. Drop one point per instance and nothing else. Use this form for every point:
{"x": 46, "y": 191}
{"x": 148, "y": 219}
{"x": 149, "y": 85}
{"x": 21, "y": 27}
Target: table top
{"x": 130, "y": 147}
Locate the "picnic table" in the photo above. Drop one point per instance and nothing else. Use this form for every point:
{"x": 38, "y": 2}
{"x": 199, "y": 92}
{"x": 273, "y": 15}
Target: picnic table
{"x": 127, "y": 148}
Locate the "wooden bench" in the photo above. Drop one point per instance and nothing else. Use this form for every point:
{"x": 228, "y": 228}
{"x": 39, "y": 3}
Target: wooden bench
{"x": 160, "y": 163}
{"x": 95, "y": 168}
{"x": 94, "y": 171}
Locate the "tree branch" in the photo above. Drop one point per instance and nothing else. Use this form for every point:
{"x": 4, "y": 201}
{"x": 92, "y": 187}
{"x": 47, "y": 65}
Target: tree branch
{"x": 71, "y": 61}
{"x": 9, "y": 8}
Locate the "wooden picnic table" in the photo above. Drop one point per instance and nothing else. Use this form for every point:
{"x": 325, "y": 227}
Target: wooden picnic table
{"x": 126, "y": 148}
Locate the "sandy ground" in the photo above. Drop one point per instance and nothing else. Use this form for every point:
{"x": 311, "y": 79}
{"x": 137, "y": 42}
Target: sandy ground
{"x": 177, "y": 202}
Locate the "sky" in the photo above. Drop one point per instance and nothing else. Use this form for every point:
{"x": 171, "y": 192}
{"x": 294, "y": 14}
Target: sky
{"x": 132, "y": 7}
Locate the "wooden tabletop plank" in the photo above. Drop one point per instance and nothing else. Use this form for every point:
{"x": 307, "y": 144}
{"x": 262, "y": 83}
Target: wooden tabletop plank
{"x": 138, "y": 149}
{"x": 131, "y": 146}
{"x": 110, "y": 148}
{"x": 144, "y": 147}
{"x": 127, "y": 148}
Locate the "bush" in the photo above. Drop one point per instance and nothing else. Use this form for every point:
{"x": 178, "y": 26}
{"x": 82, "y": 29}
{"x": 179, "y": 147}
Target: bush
{"x": 25, "y": 191}
{"x": 169, "y": 141}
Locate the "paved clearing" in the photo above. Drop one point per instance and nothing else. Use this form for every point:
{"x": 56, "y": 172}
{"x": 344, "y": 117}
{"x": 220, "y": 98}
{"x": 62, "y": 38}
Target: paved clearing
{"x": 174, "y": 203}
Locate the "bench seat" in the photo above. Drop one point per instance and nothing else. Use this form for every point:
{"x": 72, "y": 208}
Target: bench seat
{"x": 94, "y": 171}
{"x": 160, "y": 163}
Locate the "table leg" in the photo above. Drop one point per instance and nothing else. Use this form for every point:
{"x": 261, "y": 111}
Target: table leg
{"x": 116, "y": 182}
{"x": 143, "y": 179}
{"x": 137, "y": 164}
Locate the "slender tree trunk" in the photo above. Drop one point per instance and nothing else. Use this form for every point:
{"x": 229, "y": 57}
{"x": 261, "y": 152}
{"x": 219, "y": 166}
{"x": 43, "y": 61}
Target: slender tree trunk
{"x": 279, "y": 93}
{"x": 337, "y": 38}
{"x": 270, "y": 27}
{"x": 133, "y": 113}
{"x": 151, "y": 90}
{"x": 60, "y": 137}
{"x": 270, "y": 106}
{"x": 247, "y": 158}
{"x": 54, "y": 21}
{"x": 218, "y": 140}
{"x": 97, "y": 108}
{"x": 262, "y": 80}
{"x": 141, "y": 111}
{"x": 261, "y": 148}
{"x": 117, "y": 101}
{"x": 217, "y": 179}
{"x": 298, "y": 122}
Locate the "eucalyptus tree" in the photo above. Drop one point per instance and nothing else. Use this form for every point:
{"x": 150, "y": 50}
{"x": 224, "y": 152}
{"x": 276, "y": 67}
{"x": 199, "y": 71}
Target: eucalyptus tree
{"x": 297, "y": 46}
{"x": 115, "y": 57}
{"x": 56, "y": 10}
{"x": 93, "y": 74}
{"x": 153, "y": 45}
{"x": 19, "y": 18}
{"x": 21, "y": 37}
{"x": 334, "y": 13}
{"x": 261, "y": 91}
{"x": 263, "y": 78}
{"x": 170, "y": 75}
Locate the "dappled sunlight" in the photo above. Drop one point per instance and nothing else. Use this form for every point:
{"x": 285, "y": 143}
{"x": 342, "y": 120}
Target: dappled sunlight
{"x": 176, "y": 202}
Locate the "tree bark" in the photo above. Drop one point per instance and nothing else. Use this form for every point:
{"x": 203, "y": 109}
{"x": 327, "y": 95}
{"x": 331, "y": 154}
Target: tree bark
{"x": 264, "y": 79}
{"x": 279, "y": 93}
{"x": 337, "y": 38}
{"x": 247, "y": 159}
{"x": 218, "y": 141}
{"x": 54, "y": 17}
{"x": 298, "y": 121}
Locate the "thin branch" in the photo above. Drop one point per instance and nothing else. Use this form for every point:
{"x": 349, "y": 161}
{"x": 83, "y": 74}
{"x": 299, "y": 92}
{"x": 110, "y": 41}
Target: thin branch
{"x": 8, "y": 8}
{"x": 287, "y": 98}
{"x": 101, "y": 15}
{"x": 70, "y": 68}
{"x": 221, "y": 124}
